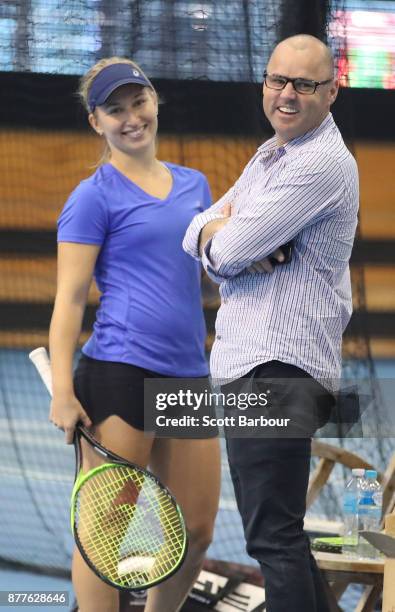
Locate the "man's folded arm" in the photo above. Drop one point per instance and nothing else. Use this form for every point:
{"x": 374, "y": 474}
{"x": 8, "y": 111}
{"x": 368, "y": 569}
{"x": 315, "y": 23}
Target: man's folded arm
{"x": 273, "y": 220}
{"x": 190, "y": 244}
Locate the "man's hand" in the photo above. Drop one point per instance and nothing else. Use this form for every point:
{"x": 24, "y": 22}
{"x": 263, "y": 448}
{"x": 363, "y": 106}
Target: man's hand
{"x": 282, "y": 255}
{"x": 213, "y": 227}
{"x": 265, "y": 265}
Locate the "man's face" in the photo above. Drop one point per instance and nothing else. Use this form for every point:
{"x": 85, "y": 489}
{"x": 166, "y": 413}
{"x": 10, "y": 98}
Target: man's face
{"x": 290, "y": 113}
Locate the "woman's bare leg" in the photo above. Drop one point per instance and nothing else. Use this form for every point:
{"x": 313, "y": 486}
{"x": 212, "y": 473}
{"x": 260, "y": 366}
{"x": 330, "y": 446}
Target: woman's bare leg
{"x": 191, "y": 470}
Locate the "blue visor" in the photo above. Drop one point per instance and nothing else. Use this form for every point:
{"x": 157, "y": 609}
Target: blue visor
{"x": 109, "y": 79}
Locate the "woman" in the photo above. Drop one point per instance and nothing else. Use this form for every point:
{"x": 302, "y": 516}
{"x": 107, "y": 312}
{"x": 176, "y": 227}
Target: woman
{"x": 125, "y": 225}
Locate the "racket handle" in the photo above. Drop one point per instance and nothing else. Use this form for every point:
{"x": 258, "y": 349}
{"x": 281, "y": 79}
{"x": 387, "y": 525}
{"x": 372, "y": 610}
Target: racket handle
{"x": 40, "y": 359}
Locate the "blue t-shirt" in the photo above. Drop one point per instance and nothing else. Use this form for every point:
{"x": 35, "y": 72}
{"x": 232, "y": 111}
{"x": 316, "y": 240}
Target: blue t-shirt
{"x": 150, "y": 312}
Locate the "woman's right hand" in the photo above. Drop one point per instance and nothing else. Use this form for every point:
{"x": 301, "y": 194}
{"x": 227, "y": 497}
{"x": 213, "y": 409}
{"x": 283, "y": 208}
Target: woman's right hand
{"x": 65, "y": 413}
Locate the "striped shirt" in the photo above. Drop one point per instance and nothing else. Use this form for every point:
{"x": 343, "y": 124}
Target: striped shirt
{"x": 306, "y": 191}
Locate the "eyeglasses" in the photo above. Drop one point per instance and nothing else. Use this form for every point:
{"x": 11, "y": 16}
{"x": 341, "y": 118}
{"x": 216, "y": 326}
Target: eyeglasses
{"x": 302, "y": 86}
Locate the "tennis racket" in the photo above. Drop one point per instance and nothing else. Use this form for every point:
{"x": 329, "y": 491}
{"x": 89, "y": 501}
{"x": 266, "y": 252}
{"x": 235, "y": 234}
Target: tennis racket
{"x": 125, "y": 522}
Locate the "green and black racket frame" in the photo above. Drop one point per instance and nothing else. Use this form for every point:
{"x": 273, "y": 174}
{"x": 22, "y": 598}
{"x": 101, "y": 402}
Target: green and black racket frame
{"x": 126, "y": 524}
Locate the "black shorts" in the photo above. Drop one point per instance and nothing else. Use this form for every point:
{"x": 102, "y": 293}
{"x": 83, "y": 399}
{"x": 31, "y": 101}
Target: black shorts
{"x": 107, "y": 388}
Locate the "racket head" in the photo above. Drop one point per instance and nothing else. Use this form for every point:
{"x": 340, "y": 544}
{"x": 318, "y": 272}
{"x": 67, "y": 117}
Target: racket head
{"x": 127, "y": 526}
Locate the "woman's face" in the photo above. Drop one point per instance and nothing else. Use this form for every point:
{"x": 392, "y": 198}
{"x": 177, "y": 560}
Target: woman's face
{"x": 128, "y": 120}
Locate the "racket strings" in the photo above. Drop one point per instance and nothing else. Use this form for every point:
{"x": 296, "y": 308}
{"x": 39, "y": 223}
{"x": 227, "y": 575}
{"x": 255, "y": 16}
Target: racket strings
{"x": 129, "y": 527}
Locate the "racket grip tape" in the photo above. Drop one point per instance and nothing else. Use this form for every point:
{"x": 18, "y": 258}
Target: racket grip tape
{"x": 40, "y": 359}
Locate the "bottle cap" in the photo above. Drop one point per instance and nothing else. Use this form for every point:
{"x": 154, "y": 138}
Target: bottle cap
{"x": 358, "y": 472}
{"x": 371, "y": 474}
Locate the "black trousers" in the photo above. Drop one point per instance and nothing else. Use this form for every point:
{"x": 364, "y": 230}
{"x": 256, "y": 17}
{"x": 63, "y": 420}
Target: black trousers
{"x": 270, "y": 477}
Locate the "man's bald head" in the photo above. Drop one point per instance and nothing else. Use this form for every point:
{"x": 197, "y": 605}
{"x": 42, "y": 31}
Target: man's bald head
{"x": 308, "y": 44}
{"x": 293, "y": 110}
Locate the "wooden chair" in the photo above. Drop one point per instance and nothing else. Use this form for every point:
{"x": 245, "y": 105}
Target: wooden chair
{"x": 339, "y": 571}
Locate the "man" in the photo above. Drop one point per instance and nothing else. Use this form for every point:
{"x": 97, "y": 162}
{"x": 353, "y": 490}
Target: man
{"x": 301, "y": 186}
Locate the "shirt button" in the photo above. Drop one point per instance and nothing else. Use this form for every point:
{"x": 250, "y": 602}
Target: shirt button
{"x": 218, "y": 337}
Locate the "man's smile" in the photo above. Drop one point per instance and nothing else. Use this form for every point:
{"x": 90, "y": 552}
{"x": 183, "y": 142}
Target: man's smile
{"x": 287, "y": 110}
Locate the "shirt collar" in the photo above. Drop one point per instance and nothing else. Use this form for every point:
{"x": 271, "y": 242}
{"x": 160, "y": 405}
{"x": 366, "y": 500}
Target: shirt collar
{"x": 268, "y": 148}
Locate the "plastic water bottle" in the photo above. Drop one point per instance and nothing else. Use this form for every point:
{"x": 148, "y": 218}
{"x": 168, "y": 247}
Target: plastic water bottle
{"x": 350, "y": 512}
{"x": 369, "y": 512}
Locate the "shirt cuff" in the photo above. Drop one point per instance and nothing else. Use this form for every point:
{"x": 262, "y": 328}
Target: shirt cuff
{"x": 190, "y": 243}
{"x": 208, "y": 266}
